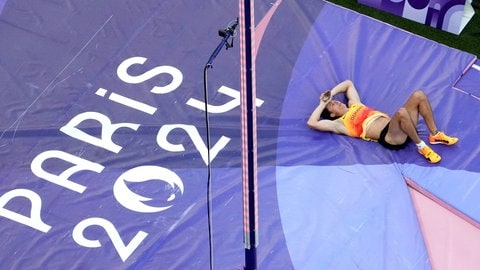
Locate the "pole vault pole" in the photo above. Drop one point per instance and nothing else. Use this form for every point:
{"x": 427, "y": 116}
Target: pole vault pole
{"x": 249, "y": 132}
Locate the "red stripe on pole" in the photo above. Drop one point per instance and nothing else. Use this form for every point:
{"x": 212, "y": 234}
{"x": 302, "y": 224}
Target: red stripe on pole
{"x": 248, "y": 121}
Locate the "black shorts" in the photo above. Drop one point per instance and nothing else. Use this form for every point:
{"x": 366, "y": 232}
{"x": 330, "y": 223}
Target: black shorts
{"x": 381, "y": 140}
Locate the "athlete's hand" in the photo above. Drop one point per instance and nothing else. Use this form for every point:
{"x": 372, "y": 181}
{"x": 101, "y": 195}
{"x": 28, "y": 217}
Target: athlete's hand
{"x": 326, "y": 97}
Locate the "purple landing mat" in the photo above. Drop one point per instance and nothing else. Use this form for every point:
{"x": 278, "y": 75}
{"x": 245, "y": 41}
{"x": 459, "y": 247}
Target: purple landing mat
{"x": 2, "y": 3}
{"x": 354, "y": 197}
{"x": 469, "y": 83}
{"x": 102, "y": 140}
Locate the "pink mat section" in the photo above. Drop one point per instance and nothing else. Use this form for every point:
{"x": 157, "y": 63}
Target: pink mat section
{"x": 452, "y": 241}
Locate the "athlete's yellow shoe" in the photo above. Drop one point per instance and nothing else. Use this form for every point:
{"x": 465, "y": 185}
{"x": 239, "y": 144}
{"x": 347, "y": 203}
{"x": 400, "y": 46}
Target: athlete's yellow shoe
{"x": 441, "y": 138}
{"x": 429, "y": 154}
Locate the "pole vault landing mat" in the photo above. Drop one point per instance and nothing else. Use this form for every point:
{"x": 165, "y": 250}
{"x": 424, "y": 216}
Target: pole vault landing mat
{"x": 104, "y": 154}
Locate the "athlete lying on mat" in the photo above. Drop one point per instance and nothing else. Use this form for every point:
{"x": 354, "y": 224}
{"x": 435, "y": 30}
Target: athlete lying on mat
{"x": 358, "y": 120}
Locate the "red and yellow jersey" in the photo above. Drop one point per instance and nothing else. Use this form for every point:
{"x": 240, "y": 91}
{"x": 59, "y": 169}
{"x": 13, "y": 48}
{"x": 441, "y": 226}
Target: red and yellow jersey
{"x": 358, "y": 118}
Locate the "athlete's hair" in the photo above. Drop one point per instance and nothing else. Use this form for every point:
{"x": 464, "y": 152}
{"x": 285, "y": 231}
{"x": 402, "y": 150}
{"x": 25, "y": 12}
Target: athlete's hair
{"x": 326, "y": 114}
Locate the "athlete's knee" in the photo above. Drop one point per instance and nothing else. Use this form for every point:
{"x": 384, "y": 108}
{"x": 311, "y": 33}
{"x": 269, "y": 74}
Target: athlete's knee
{"x": 419, "y": 95}
{"x": 402, "y": 113}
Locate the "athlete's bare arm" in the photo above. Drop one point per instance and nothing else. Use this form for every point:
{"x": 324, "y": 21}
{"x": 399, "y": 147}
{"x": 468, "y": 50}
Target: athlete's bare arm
{"x": 350, "y": 91}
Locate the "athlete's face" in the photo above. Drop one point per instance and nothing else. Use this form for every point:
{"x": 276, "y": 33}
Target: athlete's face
{"x": 337, "y": 108}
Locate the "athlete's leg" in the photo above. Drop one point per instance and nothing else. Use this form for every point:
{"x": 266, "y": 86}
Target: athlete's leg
{"x": 418, "y": 104}
{"x": 404, "y": 121}
{"x": 402, "y": 126}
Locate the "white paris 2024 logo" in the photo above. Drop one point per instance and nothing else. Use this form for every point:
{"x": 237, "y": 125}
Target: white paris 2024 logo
{"x": 122, "y": 193}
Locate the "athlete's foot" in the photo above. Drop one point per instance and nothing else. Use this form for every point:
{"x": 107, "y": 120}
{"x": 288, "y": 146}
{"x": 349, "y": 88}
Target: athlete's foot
{"x": 441, "y": 138}
{"x": 429, "y": 154}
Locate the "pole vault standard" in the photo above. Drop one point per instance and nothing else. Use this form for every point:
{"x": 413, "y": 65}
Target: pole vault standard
{"x": 249, "y": 132}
